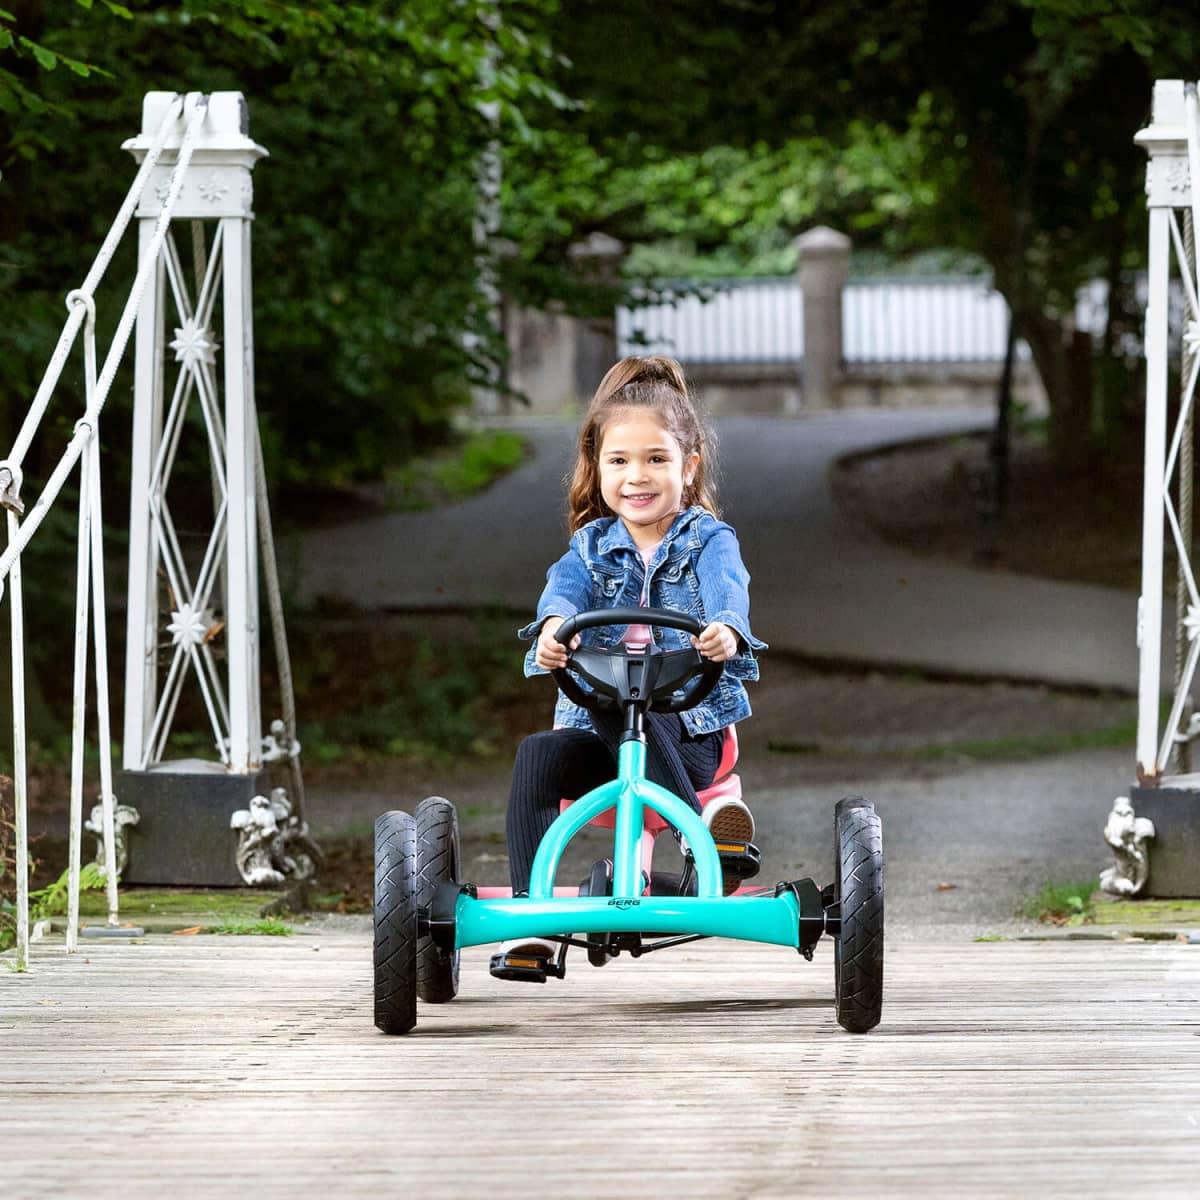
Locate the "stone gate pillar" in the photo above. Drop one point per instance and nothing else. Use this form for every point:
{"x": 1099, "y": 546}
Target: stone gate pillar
{"x": 597, "y": 260}
{"x": 824, "y": 256}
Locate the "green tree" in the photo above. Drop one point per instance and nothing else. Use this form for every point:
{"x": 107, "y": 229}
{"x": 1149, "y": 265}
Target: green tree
{"x": 375, "y": 115}
{"x": 1002, "y": 128}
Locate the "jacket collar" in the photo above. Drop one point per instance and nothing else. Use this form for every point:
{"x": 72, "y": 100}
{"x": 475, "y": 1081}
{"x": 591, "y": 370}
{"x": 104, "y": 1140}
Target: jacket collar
{"x": 617, "y": 536}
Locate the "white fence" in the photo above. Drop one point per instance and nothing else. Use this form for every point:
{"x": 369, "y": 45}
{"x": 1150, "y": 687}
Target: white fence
{"x": 915, "y": 320}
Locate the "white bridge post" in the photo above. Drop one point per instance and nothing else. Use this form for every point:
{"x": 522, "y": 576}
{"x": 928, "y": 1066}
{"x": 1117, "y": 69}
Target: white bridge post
{"x": 1153, "y": 829}
{"x": 184, "y": 609}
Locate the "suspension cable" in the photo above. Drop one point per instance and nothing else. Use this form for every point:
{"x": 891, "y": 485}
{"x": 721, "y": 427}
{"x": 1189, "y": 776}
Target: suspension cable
{"x": 66, "y": 339}
{"x": 85, "y": 426}
{"x": 278, "y": 629}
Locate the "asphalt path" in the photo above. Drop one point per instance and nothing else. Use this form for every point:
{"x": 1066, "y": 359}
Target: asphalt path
{"x": 823, "y": 585}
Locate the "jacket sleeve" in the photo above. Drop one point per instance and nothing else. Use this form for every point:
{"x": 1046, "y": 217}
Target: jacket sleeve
{"x": 725, "y": 585}
{"x": 568, "y": 591}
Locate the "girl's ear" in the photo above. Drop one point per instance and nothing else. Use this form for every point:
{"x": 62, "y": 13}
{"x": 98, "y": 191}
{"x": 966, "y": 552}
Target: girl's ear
{"x": 690, "y": 464}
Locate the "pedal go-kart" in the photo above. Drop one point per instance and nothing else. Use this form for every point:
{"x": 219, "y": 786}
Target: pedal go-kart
{"x": 425, "y": 914}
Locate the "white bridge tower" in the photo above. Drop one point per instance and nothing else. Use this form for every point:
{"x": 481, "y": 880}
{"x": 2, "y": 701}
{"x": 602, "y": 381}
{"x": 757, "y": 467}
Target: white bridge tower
{"x": 193, "y": 602}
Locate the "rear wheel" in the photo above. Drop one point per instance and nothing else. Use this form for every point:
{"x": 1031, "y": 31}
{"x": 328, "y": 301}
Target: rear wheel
{"x": 438, "y": 860}
{"x": 858, "y": 890}
{"x": 395, "y": 922}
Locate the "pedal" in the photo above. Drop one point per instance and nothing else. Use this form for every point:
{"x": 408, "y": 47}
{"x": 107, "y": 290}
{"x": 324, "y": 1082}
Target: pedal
{"x": 525, "y": 968}
{"x": 739, "y": 860}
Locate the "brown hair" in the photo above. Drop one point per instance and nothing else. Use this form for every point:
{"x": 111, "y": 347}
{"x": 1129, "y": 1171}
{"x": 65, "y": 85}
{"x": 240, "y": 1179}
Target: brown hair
{"x": 657, "y": 383}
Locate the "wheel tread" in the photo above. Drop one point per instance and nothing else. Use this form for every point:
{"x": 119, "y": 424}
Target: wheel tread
{"x": 395, "y": 953}
{"x": 858, "y": 959}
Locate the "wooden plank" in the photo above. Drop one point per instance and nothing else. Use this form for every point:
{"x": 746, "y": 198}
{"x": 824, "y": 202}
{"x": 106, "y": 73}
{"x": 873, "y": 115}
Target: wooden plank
{"x": 216, "y": 1064}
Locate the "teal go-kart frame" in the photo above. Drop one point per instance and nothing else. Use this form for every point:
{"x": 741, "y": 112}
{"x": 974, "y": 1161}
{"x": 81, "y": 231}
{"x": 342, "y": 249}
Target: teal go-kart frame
{"x": 425, "y": 914}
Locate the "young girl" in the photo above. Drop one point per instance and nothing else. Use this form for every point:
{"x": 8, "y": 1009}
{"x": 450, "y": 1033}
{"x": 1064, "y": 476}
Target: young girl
{"x": 644, "y": 531}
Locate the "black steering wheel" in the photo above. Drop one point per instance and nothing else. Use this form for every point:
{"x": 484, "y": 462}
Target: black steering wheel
{"x": 648, "y": 678}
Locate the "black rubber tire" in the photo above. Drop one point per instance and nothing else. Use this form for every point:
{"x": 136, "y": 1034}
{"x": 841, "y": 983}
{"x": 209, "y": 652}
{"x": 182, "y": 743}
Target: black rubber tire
{"x": 438, "y": 861}
{"x": 395, "y": 922}
{"x": 858, "y": 889}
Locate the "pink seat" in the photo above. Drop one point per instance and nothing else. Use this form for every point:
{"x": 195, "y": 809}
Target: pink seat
{"x": 725, "y": 784}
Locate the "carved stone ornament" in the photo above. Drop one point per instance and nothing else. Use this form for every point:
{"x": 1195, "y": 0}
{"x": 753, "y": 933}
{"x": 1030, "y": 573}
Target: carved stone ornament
{"x": 212, "y": 189}
{"x": 1127, "y": 834}
{"x": 276, "y": 747}
{"x": 273, "y": 844}
{"x": 123, "y": 816}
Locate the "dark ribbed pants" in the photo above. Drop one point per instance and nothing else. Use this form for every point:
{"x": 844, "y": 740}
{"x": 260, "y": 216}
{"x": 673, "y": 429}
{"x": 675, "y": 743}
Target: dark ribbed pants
{"x": 566, "y": 763}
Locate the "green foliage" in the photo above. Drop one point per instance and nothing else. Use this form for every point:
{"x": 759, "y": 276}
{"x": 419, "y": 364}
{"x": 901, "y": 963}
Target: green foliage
{"x": 462, "y": 469}
{"x": 268, "y": 927}
{"x": 370, "y": 324}
{"x": 734, "y": 208}
{"x": 50, "y": 901}
{"x": 1001, "y": 129}
{"x": 1062, "y": 903}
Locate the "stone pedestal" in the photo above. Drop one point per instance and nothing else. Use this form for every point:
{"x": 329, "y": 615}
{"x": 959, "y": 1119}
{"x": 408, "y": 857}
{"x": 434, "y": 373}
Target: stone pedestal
{"x": 183, "y": 836}
{"x": 1175, "y": 849}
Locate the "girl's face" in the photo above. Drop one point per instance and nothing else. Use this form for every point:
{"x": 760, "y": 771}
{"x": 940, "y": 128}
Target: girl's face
{"x": 643, "y": 473}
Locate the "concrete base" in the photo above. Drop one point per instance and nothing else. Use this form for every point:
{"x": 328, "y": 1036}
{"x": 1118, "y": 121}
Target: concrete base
{"x": 183, "y": 836}
{"x": 1175, "y": 850}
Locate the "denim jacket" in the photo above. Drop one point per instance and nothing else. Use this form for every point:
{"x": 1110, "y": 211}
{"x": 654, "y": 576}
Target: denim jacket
{"x": 696, "y": 569}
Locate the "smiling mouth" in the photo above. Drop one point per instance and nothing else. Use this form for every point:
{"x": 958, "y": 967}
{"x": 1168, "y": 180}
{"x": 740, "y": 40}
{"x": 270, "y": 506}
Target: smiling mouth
{"x": 642, "y": 496}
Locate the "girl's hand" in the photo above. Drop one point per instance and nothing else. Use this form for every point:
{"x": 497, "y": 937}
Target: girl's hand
{"x": 717, "y": 642}
{"x": 551, "y": 654}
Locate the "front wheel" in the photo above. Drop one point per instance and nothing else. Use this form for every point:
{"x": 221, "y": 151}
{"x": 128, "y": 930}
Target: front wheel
{"x": 858, "y": 891}
{"x": 395, "y": 922}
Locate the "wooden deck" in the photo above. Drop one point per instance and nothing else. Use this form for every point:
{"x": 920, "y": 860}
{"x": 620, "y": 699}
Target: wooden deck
{"x": 207, "y": 1066}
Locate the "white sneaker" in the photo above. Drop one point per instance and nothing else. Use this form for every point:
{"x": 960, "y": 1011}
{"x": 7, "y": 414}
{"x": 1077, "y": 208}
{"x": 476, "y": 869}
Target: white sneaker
{"x": 530, "y": 947}
{"x": 729, "y": 820}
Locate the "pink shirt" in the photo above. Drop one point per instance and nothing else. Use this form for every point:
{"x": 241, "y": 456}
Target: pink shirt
{"x": 638, "y": 637}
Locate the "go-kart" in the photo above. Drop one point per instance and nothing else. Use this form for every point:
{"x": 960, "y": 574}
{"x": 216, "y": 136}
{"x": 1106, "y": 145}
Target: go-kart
{"x": 425, "y": 914}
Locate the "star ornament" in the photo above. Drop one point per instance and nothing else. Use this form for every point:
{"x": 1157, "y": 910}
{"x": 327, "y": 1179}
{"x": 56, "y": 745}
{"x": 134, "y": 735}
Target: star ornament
{"x": 194, "y": 344}
{"x": 1192, "y": 622}
{"x": 188, "y": 626}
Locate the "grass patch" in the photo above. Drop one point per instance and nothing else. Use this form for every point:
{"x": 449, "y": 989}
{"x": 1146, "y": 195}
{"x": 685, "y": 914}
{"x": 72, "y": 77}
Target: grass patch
{"x": 269, "y": 927}
{"x": 1154, "y": 912}
{"x": 451, "y": 474}
{"x": 991, "y": 937}
{"x": 1062, "y": 903}
{"x": 1029, "y": 745}
{"x": 220, "y": 903}
{"x": 783, "y": 747}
